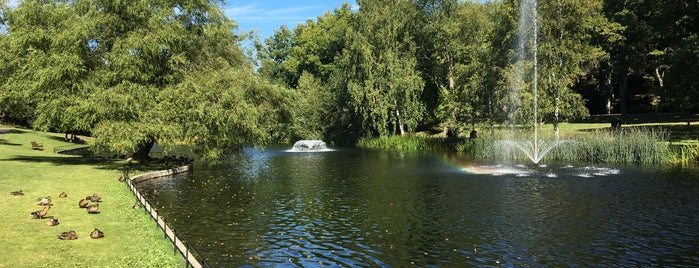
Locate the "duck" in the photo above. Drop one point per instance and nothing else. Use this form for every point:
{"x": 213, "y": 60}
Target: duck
{"x": 44, "y": 200}
{"x": 93, "y": 209}
{"x": 70, "y": 235}
{"x": 96, "y": 234}
{"x": 122, "y": 179}
{"x": 94, "y": 197}
{"x": 18, "y": 192}
{"x": 83, "y": 203}
{"x": 40, "y": 214}
{"x": 136, "y": 206}
{"x": 63, "y": 195}
{"x": 52, "y": 222}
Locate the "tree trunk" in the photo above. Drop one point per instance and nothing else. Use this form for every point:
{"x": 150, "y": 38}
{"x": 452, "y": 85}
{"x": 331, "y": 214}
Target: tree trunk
{"x": 660, "y": 74}
{"x": 143, "y": 149}
{"x": 623, "y": 87}
{"x": 400, "y": 123}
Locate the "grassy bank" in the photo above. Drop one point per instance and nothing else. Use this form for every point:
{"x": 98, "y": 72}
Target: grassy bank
{"x": 131, "y": 237}
{"x": 646, "y": 143}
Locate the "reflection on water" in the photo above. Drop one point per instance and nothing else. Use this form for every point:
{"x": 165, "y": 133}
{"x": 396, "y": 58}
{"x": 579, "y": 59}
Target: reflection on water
{"x": 365, "y": 208}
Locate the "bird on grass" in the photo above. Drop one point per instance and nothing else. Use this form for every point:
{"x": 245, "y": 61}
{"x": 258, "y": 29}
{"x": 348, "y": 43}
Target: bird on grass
{"x": 63, "y": 195}
{"x": 70, "y": 235}
{"x": 96, "y": 234}
{"x": 83, "y": 203}
{"x": 93, "y": 209}
{"x": 52, "y": 222}
{"x": 43, "y": 201}
{"x": 40, "y": 214}
{"x": 94, "y": 197}
{"x": 18, "y": 192}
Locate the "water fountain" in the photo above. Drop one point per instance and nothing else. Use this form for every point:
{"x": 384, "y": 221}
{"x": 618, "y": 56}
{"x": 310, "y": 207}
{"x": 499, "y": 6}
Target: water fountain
{"x": 309, "y": 146}
{"x": 536, "y": 148}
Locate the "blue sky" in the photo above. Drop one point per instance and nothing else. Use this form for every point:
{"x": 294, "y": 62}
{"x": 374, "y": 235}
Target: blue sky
{"x": 265, "y": 16}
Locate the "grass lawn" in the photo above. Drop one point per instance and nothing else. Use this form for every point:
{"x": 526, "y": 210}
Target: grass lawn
{"x": 131, "y": 238}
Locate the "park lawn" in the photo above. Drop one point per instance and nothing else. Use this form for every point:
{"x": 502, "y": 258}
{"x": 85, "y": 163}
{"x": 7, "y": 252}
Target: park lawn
{"x": 132, "y": 238}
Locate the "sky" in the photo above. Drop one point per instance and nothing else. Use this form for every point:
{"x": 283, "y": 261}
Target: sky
{"x": 265, "y": 16}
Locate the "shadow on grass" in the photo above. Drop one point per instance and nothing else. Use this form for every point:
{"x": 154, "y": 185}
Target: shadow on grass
{"x": 98, "y": 162}
{"x": 4, "y": 142}
{"x": 103, "y": 163}
{"x": 12, "y": 131}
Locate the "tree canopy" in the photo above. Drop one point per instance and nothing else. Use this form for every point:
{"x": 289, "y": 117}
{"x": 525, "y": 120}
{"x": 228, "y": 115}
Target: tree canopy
{"x": 133, "y": 73}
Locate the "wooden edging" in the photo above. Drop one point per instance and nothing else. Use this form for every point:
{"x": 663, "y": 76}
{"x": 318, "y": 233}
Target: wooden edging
{"x": 178, "y": 244}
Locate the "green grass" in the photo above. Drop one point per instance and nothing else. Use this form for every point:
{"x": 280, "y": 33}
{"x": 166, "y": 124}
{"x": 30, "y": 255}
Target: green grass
{"x": 594, "y": 142}
{"x": 131, "y": 236}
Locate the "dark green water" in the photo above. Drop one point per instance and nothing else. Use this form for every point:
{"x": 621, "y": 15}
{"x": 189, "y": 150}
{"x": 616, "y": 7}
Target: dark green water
{"x": 362, "y": 208}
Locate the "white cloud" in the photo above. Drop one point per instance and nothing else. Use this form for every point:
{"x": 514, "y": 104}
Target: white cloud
{"x": 255, "y": 13}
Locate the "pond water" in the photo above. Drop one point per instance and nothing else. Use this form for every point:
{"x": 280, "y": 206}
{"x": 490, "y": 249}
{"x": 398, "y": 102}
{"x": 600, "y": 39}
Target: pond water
{"x": 352, "y": 207}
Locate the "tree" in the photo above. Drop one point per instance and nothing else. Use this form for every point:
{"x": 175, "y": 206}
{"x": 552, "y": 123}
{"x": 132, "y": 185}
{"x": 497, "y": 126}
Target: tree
{"x": 379, "y": 68}
{"x": 133, "y": 73}
{"x": 467, "y": 55}
{"x": 313, "y": 108}
{"x": 568, "y": 52}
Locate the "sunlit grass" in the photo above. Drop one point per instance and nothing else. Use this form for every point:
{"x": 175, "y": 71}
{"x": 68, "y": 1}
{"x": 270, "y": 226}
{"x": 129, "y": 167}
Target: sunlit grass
{"x": 131, "y": 237}
{"x": 643, "y": 143}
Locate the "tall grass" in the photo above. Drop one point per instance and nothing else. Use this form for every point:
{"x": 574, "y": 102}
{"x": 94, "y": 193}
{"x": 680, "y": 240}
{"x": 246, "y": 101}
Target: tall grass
{"x": 625, "y": 146}
{"x": 684, "y": 153}
{"x": 632, "y": 145}
{"x": 410, "y": 143}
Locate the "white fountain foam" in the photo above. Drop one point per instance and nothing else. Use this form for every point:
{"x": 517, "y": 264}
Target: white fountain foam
{"x": 304, "y": 146}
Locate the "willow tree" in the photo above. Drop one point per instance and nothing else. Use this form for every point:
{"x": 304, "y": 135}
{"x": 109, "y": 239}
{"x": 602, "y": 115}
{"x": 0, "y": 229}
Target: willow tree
{"x": 46, "y": 65}
{"x": 183, "y": 78}
{"x": 379, "y": 68}
{"x": 133, "y": 73}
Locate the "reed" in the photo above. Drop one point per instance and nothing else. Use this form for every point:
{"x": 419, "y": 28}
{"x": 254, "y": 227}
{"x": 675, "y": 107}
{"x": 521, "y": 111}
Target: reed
{"x": 410, "y": 143}
{"x": 684, "y": 154}
{"x": 626, "y": 146}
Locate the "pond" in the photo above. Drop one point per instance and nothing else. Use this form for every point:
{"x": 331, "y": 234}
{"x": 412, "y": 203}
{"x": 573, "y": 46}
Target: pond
{"x": 351, "y": 207}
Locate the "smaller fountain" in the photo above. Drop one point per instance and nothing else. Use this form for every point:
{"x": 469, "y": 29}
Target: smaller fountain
{"x": 309, "y": 146}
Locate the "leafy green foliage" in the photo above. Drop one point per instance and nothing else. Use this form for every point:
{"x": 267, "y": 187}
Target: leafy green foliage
{"x": 133, "y": 73}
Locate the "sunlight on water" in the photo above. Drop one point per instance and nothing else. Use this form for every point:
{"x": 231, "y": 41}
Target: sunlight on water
{"x": 542, "y": 171}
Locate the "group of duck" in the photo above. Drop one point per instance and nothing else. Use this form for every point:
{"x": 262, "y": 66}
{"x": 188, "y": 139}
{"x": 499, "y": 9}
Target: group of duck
{"x": 47, "y": 202}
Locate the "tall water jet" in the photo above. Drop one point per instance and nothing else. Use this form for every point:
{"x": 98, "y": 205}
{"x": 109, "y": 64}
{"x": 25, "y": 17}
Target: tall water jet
{"x": 527, "y": 36}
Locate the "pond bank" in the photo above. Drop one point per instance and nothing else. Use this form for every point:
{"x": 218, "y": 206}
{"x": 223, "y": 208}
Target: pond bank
{"x": 182, "y": 246}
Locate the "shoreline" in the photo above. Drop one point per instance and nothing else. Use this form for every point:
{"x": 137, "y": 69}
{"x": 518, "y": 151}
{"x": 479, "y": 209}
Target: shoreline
{"x": 182, "y": 246}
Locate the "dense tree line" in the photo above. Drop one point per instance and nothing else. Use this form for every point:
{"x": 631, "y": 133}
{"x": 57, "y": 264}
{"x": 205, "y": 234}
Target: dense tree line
{"x": 133, "y": 73}
{"x": 390, "y": 66}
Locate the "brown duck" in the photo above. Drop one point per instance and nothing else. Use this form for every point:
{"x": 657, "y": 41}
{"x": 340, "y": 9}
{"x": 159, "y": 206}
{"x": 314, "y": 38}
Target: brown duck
{"x": 96, "y": 234}
{"x": 94, "y": 197}
{"x": 93, "y": 209}
{"x": 43, "y": 201}
{"x": 18, "y": 192}
{"x": 40, "y": 214}
{"x": 63, "y": 195}
{"x": 52, "y": 222}
{"x": 122, "y": 179}
{"x": 83, "y": 203}
{"x": 70, "y": 235}
{"x": 136, "y": 206}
